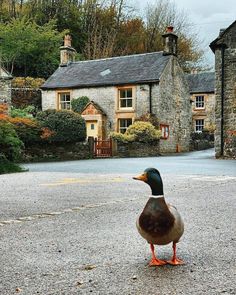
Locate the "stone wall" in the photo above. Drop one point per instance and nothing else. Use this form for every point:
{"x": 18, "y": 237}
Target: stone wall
{"x": 173, "y": 108}
{"x": 136, "y": 149}
{"x": 5, "y": 91}
{"x": 56, "y": 152}
{"x": 201, "y": 141}
{"x": 23, "y": 97}
{"x": 229, "y": 119}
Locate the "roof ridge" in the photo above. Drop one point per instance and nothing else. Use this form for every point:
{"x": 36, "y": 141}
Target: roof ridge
{"x": 115, "y": 57}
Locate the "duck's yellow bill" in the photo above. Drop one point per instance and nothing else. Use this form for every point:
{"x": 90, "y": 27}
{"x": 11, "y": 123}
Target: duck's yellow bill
{"x": 142, "y": 177}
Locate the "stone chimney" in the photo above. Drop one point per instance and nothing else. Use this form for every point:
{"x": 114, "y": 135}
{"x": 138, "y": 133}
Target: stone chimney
{"x": 67, "y": 52}
{"x": 170, "y": 42}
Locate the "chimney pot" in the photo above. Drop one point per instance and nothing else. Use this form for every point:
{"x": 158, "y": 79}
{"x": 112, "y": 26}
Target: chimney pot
{"x": 67, "y": 52}
{"x": 169, "y": 29}
{"x": 170, "y": 42}
{"x": 67, "y": 40}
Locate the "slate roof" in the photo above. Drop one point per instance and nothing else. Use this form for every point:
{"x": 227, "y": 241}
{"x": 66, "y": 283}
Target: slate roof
{"x": 220, "y": 39}
{"x": 201, "y": 82}
{"x": 130, "y": 69}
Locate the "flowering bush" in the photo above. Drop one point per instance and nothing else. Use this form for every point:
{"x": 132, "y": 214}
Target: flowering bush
{"x": 28, "y": 130}
{"x": 151, "y": 118}
{"x": 139, "y": 132}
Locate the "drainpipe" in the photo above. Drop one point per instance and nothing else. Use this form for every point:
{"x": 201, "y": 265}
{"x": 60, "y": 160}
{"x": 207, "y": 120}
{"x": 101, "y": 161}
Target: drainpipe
{"x": 222, "y": 99}
{"x": 150, "y": 98}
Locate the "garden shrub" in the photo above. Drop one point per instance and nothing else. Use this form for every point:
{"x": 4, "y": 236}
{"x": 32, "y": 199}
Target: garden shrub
{"x": 139, "y": 132}
{"x": 10, "y": 144}
{"x": 78, "y": 104}
{"x": 151, "y": 118}
{"x": 67, "y": 126}
{"x": 8, "y": 167}
{"x": 204, "y": 135}
{"x": 27, "y": 112}
{"x": 28, "y": 130}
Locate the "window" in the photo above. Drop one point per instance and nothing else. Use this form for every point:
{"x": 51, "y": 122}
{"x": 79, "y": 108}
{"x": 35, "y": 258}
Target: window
{"x": 199, "y": 125}
{"x": 125, "y": 98}
{"x": 124, "y": 124}
{"x": 199, "y": 102}
{"x": 165, "y": 131}
{"x": 64, "y": 101}
{"x": 92, "y": 126}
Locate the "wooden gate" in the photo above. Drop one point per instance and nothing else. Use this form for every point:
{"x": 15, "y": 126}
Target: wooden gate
{"x": 103, "y": 148}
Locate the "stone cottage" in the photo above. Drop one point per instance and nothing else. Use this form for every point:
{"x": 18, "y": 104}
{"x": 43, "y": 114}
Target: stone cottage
{"x": 224, "y": 48}
{"x": 5, "y": 89}
{"x": 202, "y": 95}
{"x": 123, "y": 88}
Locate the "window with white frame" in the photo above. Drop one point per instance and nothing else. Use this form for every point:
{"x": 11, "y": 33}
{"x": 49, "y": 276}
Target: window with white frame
{"x": 199, "y": 102}
{"x": 64, "y": 100}
{"x": 124, "y": 124}
{"x": 199, "y": 125}
{"x": 125, "y": 98}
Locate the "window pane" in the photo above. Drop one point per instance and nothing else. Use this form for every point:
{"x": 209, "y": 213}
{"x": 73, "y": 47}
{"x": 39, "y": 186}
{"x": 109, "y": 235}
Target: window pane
{"x": 129, "y": 92}
{"x": 122, "y": 93}
{"x": 123, "y": 103}
{"x": 124, "y": 124}
{"x": 129, "y": 103}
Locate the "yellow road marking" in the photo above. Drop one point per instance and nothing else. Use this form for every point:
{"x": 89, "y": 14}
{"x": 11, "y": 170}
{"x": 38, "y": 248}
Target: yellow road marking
{"x": 83, "y": 181}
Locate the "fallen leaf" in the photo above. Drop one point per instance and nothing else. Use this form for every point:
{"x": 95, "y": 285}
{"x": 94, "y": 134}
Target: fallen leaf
{"x": 79, "y": 283}
{"x": 89, "y": 267}
{"x": 18, "y": 290}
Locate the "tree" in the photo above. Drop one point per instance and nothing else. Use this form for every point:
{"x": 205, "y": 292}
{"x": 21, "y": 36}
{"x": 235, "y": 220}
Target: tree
{"x": 29, "y": 48}
{"x": 32, "y": 32}
{"x": 158, "y": 17}
{"x": 78, "y": 104}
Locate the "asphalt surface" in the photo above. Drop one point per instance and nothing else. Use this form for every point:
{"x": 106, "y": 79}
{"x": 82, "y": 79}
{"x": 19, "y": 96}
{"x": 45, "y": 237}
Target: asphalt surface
{"x": 69, "y": 227}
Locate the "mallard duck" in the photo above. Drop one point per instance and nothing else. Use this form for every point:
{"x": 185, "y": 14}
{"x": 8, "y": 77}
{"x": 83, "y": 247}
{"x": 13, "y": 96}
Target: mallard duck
{"x": 159, "y": 223}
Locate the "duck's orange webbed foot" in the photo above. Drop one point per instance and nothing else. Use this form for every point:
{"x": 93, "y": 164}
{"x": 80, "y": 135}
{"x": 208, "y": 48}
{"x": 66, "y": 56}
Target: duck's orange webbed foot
{"x": 175, "y": 260}
{"x": 155, "y": 261}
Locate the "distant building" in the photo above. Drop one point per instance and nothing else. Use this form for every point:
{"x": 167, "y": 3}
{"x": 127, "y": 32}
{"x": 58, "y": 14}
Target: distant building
{"x": 124, "y": 88}
{"x": 224, "y": 48}
{"x": 202, "y": 94}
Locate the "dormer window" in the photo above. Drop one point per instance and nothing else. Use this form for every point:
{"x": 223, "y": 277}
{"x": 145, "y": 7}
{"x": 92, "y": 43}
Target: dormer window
{"x": 125, "y": 98}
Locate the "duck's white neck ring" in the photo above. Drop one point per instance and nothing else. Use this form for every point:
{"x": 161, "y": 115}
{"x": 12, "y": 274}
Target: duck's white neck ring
{"x": 156, "y": 197}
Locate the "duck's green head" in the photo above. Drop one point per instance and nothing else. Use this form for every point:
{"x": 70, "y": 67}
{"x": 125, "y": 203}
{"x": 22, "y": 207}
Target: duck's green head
{"x": 152, "y": 177}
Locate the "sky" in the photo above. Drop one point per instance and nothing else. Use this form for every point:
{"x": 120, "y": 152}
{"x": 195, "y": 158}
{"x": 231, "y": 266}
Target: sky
{"x": 208, "y": 17}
